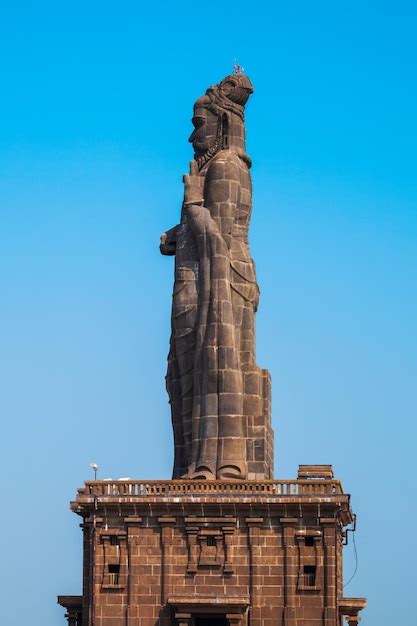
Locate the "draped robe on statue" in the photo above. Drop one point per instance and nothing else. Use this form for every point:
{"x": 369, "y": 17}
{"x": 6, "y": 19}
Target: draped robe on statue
{"x": 214, "y": 301}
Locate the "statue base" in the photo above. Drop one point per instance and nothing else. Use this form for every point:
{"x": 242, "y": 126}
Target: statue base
{"x": 213, "y": 553}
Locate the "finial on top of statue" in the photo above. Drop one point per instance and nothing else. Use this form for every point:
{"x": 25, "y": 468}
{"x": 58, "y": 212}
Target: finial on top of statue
{"x": 238, "y": 68}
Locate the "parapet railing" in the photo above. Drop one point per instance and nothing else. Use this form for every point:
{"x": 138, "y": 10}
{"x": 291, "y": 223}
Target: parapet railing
{"x": 143, "y": 488}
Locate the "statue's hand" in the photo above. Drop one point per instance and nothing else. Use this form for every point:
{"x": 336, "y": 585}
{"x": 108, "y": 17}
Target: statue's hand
{"x": 193, "y": 185}
{"x": 168, "y": 242}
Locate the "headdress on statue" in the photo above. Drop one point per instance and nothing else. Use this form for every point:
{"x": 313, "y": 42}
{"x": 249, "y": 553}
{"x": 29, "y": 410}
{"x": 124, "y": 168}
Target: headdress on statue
{"x": 231, "y": 94}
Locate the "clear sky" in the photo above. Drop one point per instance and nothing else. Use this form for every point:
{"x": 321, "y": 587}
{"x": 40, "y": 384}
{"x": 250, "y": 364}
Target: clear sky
{"x": 95, "y": 114}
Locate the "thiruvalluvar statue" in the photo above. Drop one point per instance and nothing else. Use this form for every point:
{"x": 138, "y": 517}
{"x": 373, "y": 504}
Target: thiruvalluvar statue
{"x": 214, "y": 385}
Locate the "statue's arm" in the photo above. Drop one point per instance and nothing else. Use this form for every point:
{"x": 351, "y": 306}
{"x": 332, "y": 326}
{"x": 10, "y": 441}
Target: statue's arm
{"x": 221, "y": 194}
{"x": 168, "y": 242}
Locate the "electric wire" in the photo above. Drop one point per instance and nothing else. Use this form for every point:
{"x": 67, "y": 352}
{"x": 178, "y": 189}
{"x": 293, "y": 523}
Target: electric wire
{"x": 356, "y": 562}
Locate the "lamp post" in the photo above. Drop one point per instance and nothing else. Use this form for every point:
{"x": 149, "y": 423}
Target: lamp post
{"x": 94, "y": 467}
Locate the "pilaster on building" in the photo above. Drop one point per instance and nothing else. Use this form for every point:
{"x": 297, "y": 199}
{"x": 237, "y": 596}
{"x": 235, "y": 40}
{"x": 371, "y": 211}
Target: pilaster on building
{"x": 214, "y": 553}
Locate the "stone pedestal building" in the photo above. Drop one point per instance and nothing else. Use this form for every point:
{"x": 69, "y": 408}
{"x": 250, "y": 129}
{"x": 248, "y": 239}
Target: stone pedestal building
{"x": 223, "y": 543}
{"x": 214, "y": 553}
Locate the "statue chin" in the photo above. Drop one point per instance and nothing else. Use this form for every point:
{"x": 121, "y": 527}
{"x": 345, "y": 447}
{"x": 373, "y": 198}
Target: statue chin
{"x": 201, "y": 147}
{"x": 198, "y": 152}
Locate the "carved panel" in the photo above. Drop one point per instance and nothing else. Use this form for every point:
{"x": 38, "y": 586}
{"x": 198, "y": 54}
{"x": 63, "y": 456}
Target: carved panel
{"x": 210, "y": 543}
{"x": 310, "y": 553}
{"x": 114, "y": 547}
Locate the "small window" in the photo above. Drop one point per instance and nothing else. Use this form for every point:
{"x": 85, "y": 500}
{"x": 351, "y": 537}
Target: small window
{"x": 114, "y": 571}
{"x": 211, "y": 541}
{"x": 309, "y": 575}
{"x": 309, "y": 541}
{"x": 114, "y": 540}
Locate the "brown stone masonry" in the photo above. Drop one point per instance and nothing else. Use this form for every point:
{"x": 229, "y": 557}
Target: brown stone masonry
{"x": 181, "y": 552}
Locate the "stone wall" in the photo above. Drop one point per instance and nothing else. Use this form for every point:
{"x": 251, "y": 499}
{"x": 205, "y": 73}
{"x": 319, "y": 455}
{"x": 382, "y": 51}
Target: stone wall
{"x": 259, "y": 559}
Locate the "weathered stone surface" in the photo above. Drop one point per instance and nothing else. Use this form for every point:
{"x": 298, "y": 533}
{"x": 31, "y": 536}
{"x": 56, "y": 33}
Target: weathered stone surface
{"x": 214, "y": 385}
{"x": 166, "y": 553}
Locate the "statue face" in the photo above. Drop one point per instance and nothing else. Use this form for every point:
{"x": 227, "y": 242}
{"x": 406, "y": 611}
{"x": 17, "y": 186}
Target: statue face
{"x": 204, "y": 134}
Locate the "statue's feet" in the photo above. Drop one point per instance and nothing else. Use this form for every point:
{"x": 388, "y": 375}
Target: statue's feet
{"x": 201, "y": 473}
{"x": 230, "y": 472}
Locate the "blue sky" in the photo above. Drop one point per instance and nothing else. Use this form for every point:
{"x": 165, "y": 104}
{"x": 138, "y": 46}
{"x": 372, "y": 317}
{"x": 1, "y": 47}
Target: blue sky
{"x": 95, "y": 114}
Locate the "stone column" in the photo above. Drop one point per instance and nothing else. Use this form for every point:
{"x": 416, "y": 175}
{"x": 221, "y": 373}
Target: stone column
{"x": 329, "y": 571}
{"x": 353, "y": 619}
{"x": 87, "y": 573}
{"x": 95, "y": 567}
{"x": 290, "y": 569}
{"x": 228, "y": 550}
{"x": 192, "y": 536}
{"x": 255, "y": 582}
{"x": 132, "y": 524}
{"x": 234, "y": 619}
{"x": 166, "y": 549}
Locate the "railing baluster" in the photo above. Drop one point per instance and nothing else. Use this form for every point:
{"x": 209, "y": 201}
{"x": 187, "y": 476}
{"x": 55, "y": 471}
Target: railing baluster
{"x": 304, "y": 487}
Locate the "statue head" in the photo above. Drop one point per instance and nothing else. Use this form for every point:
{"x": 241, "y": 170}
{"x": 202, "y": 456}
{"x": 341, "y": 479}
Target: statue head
{"x": 219, "y": 118}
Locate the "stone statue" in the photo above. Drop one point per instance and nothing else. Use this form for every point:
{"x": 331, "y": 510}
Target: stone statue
{"x": 220, "y": 398}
